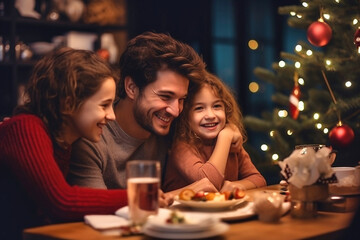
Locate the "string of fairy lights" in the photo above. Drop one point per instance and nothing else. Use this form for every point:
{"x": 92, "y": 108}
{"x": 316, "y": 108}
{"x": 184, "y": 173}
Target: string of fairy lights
{"x": 327, "y": 65}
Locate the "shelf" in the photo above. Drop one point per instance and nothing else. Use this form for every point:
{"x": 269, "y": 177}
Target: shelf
{"x": 67, "y": 25}
{"x": 13, "y": 28}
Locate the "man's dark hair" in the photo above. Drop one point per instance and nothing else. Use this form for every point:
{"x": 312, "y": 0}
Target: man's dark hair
{"x": 150, "y": 52}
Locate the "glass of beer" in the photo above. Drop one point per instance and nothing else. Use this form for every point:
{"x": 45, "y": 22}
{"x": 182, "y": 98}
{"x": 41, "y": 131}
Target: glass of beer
{"x": 143, "y": 183}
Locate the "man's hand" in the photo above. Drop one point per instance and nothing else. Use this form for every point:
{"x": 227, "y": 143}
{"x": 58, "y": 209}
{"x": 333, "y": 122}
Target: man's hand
{"x": 165, "y": 199}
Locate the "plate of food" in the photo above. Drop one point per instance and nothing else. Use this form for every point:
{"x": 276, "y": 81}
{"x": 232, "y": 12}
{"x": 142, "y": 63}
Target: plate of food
{"x": 177, "y": 221}
{"x": 211, "y": 200}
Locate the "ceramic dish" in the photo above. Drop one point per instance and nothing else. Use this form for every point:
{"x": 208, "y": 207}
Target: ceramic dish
{"x": 193, "y": 223}
{"x": 212, "y": 205}
{"x": 214, "y": 230}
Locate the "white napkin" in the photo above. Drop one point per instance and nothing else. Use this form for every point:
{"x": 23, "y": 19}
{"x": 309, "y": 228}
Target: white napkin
{"x": 124, "y": 212}
{"x": 106, "y": 224}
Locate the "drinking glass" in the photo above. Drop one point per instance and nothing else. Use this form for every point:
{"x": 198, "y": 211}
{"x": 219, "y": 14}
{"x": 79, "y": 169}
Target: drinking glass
{"x": 143, "y": 183}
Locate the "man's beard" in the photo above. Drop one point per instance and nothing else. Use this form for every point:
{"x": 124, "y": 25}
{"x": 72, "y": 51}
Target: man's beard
{"x": 142, "y": 117}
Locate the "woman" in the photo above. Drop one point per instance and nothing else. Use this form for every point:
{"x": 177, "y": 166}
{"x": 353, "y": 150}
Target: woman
{"x": 70, "y": 95}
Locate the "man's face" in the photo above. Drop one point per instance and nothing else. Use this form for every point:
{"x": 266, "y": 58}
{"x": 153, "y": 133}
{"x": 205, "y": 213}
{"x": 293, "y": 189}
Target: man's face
{"x": 161, "y": 102}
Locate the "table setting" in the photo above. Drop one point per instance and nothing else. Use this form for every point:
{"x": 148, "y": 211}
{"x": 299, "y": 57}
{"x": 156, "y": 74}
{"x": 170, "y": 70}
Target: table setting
{"x": 307, "y": 176}
{"x": 193, "y": 219}
{"x": 242, "y": 221}
{"x": 302, "y": 205}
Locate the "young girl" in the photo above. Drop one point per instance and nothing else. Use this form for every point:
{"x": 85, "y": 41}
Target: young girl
{"x": 70, "y": 95}
{"x": 208, "y": 126}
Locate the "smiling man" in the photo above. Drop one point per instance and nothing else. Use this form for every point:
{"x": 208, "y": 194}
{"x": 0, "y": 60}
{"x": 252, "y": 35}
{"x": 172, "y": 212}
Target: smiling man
{"x": 156, "y": 73}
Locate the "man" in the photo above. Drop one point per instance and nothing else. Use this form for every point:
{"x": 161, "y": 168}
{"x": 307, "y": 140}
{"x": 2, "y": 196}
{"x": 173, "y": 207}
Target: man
{"x": 156, "y": 72}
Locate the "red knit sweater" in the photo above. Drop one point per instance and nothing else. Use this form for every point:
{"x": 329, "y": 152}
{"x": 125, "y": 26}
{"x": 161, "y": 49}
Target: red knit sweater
{"x": 27, "y": 155}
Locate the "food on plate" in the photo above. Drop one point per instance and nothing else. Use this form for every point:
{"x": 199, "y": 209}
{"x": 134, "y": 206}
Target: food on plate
{"x": 210, "y": 196}
{"x": 199, "y": 196}
{"x": 188, "y": 194}
{"x": 239, "y": 193}
{"x": 176, "y": 217}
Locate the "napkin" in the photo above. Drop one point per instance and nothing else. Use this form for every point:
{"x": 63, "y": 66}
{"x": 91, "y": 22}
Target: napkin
{"x": 124, "y": 212}
{"x": 107, "y": 224}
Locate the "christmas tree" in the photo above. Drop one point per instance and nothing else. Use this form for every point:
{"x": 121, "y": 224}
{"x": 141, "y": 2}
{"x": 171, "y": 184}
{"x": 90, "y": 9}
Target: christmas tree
{"x": 317, "y": 87}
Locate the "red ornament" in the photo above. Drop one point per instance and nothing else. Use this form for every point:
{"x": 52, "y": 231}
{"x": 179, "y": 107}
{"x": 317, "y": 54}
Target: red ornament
{"x": 103, "y": 53}
{"x": 341, "y": 135}
{"x": 357, "y": 38}
{"x": 294, "y": 102}
{"x": 319, "y": 33}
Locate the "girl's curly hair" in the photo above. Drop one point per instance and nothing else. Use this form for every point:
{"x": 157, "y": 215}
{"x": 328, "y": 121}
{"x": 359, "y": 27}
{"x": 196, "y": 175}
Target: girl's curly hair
{"x": 183, "y": 131}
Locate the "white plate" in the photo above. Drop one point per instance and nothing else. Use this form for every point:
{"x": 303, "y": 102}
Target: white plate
{"x": 215, "y": 230}
{"x": 194, "y": 223}
{"x": 242, "y": 211}
{"x": 212, "y": 205}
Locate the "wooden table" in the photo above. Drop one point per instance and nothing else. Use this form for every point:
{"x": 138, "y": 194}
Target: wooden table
{"x": 327, "y": 225}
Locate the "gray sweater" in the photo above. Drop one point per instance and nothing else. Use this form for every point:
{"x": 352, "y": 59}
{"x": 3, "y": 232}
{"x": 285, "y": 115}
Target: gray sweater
{"x": 102, "y": 164}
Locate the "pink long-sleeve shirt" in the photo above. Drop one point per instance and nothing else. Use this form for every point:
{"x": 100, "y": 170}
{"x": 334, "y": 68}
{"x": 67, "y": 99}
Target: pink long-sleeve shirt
{"x": 29, "y": 161}
{"x": 185, "y": 167}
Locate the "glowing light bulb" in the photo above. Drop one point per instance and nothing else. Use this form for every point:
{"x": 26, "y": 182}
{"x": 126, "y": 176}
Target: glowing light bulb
{"x": 316, "y": 116}
{"x": 275, "y": 157}
{"x": 318, "y": 125}
{"x": 326, "y": 130}
{"x": 282, "y": 63}
{"x": 348, "y": 84}
{"x": 264, "y": 147}
{"x": 297, "y": 64}
{"x": 289, "y": 132}
{"x": 298, "y": 48}
{"x": 326, "y": 16}
{"x": 282, "y": 113}
{"x": 301, "y": 81}
{"x": 253, "y": 44}
{"x": 301, "y": 106}
{"x": 328, "y": 62}
{"x": 309, "y": 52}
{"x": 254, "y": 87}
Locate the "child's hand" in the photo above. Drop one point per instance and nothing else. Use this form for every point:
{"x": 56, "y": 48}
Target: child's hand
{"x": 237, "y": 139}
{"x": 231, "y": 186}
{"x": 228, "y": 131}
{"x": 203, "y": 184}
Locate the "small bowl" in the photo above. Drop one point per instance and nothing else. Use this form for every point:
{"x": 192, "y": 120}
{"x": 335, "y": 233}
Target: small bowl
{"x": 42, "y": 48}
{"x": 345, "y": 175}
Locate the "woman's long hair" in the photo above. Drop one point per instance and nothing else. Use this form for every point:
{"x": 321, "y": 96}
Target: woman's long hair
{"x": 60, "y": 82}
